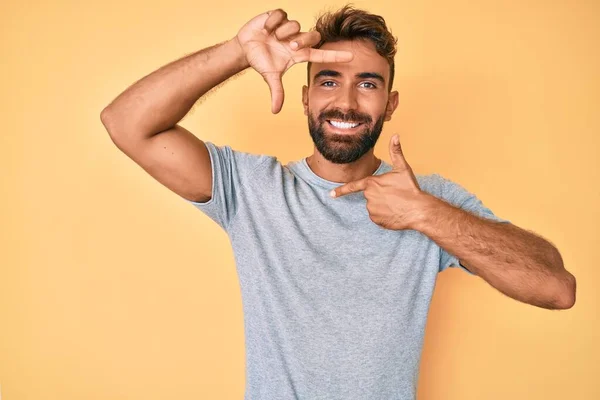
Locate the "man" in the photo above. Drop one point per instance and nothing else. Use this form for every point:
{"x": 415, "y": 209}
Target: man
{"x": 336, "y": 287}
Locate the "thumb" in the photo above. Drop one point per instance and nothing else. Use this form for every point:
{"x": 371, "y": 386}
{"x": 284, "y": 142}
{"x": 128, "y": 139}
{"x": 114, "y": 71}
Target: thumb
{"x": 273, "y": 79}
{"x": 396, "y": 154}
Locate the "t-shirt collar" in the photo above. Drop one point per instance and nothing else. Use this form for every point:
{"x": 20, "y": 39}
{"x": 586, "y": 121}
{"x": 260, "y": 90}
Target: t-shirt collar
{"x": 302, "y": 169}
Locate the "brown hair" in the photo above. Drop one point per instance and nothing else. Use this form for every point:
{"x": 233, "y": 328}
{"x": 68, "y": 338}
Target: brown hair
{"x": 349, "y": 23}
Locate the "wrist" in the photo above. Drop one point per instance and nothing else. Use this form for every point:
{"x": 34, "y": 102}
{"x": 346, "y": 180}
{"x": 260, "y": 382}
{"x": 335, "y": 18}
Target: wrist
{"x": 240, "y": 54}
{"x": 426, "y": 206}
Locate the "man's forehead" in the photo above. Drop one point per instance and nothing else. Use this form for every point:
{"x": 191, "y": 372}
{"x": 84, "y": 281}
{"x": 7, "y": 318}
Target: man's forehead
{"x": 366, "y": 59}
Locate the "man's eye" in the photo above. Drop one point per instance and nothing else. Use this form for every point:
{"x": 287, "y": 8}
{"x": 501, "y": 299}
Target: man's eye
{"x": 372, "y": 85}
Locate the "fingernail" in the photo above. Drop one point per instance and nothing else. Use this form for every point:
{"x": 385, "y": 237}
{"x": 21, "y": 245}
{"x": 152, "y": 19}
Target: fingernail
{"x": 332, "y": 193}
{"x": 294, "y": 45}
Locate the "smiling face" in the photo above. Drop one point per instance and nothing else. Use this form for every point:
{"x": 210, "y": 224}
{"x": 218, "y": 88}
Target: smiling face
{"x": 347, "y": 103}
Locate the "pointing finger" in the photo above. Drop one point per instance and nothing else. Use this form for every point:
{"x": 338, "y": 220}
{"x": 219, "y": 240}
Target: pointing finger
{"x": 350, "y": 187}
{"x": 323, "y": 56}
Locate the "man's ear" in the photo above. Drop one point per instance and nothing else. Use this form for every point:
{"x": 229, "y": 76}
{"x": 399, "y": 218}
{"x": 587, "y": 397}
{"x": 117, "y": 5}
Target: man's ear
{"x": 391, "y": 105}
{"x": 305, "y": 99}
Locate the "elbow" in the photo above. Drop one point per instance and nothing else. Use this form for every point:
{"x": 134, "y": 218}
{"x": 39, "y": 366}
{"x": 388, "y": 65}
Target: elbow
{"x": 105, "y": 115}
{"x": 112, "y": 126}
{"x": 567, "y": 293}
{"x": 124, "y": 130}
{"x": 108, "y": 120}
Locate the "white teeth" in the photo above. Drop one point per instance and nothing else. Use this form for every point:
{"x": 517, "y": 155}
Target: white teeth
{"x": 343, "y": 125}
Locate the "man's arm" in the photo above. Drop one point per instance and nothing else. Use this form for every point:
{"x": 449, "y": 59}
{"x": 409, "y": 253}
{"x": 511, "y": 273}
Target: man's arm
{"x": 142, "y": 121}
{"x": 514, "y": 261}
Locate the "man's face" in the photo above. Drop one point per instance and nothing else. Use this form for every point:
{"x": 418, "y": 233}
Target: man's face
{"x": 347, "y": 103}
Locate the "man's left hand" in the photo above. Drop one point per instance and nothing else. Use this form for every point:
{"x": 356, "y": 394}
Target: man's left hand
{"x": 394, "y": 199}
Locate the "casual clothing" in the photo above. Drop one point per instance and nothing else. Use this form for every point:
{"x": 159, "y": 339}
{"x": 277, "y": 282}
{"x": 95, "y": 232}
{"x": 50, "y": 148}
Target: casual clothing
{"x": 334, "y": 305}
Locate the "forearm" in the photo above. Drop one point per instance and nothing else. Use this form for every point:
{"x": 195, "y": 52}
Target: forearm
{"x": 514, "y": 261}
{"x": 160, "y": 100}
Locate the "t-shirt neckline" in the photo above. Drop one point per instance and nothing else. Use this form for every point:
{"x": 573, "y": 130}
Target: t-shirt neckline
{"x": 304, "y": 170}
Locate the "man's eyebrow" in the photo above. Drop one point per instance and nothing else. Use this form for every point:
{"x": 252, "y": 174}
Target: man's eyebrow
{"x": 326, "y": 72}
{"x": 372, "y": 75}
{"x": 361, "y": 75}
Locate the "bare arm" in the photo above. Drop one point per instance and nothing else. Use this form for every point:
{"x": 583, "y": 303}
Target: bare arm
{"x": 142, "y": 120}
{"x": 518, "y": 263}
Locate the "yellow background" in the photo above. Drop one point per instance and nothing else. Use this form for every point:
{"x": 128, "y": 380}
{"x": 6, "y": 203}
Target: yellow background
{"x": 113, "y": 287}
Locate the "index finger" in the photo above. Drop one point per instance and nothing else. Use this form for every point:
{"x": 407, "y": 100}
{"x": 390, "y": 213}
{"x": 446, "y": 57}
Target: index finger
{"x": 323, "y": 56}
{"x": 350, "y": 187}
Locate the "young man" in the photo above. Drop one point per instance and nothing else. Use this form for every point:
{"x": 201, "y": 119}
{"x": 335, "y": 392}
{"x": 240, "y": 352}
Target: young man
{"x": 336, "y": 286}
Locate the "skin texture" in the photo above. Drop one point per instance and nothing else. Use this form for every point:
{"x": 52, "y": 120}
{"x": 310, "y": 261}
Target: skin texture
{"x": 272, "y": 44}
{"x": 342, "y": 157}
{"x": 143, "y": 122}
{"x": 516, "y": 262}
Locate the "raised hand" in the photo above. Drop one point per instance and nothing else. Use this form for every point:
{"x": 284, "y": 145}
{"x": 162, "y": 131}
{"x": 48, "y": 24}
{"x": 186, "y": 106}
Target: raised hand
{"x": 394, "y": 199}
{"x": 272, "y": 44}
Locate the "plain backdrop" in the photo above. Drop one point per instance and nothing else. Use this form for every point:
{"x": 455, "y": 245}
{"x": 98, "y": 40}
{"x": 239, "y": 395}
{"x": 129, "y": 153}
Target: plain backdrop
{"x": 113, "y": 287}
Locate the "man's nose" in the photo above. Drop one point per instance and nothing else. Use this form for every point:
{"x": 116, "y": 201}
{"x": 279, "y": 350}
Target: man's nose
{"x": 347, "y": 99}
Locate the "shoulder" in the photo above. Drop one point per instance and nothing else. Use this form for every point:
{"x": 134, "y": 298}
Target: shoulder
{"x": 241, "y": 161}
{"x": 434, "y": 184}
{"x": 443, "y": 188}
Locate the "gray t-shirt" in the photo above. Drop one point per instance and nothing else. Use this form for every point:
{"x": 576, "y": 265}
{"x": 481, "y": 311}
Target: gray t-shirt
{"x": 334, "y": 305}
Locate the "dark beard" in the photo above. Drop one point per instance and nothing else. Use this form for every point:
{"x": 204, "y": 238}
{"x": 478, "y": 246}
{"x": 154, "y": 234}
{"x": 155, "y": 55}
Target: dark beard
{"x": 343, "y": 149}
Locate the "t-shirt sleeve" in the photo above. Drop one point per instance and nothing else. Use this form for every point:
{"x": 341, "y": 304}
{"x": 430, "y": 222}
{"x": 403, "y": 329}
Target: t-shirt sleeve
{"x": 230, "y": 170}
{"x": 458, "y": 196}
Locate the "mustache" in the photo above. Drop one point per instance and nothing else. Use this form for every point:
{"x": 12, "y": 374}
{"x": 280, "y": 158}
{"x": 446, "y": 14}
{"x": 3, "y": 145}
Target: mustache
{"x": 351, "y": 116}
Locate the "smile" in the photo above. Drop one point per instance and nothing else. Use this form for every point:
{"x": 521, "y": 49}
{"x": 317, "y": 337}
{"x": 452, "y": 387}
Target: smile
{"x": 343, "y": 125}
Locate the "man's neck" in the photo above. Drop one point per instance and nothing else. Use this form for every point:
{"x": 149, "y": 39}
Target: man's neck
{"x": 343, "y": 173}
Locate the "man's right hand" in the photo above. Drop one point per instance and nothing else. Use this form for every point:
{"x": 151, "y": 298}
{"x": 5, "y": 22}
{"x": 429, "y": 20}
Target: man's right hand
{"x": 143, "y": 120}
{"x": 267, "y": 40}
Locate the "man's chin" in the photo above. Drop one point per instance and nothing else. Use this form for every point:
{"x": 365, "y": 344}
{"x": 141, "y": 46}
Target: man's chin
{"x": 340, "y": 152}
{"x": 339, "y": 158}
{"x": 337, "y": 140}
